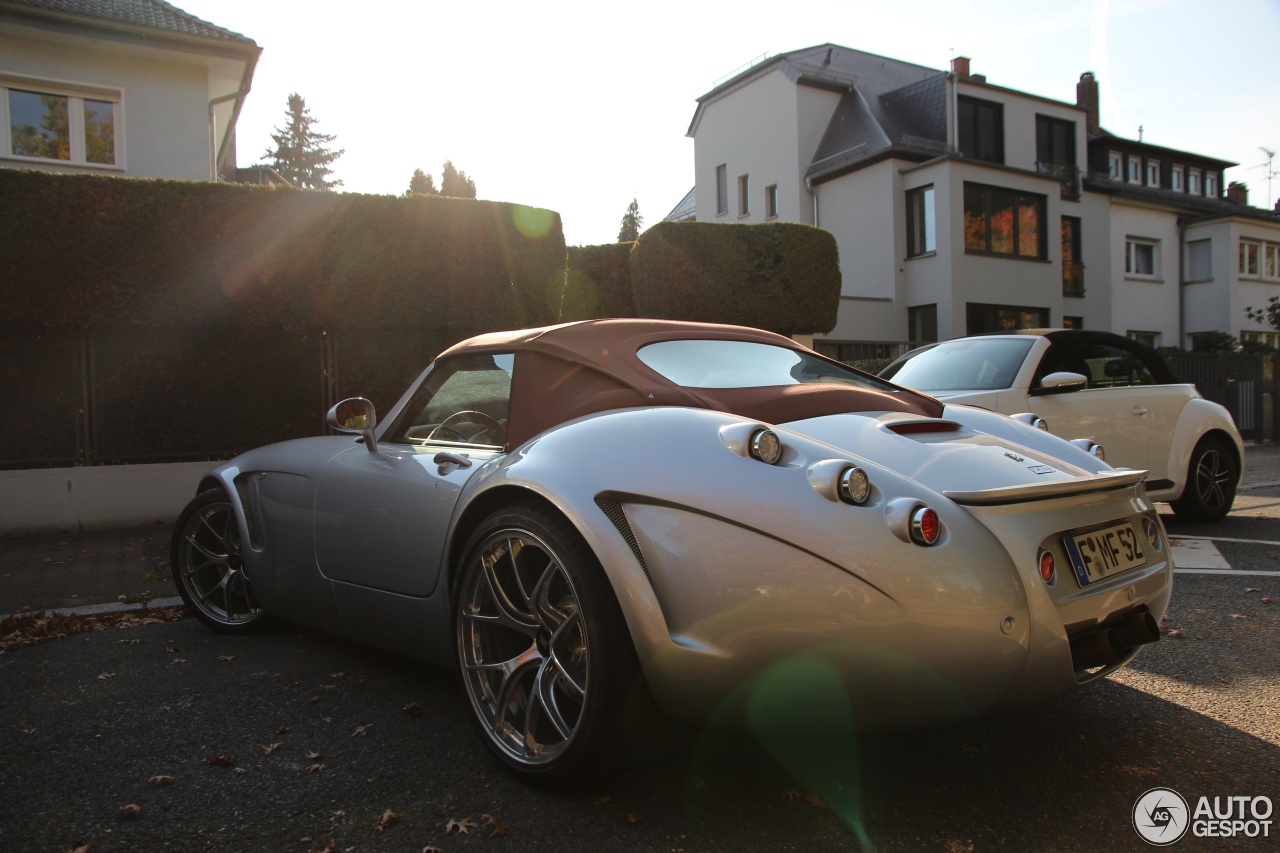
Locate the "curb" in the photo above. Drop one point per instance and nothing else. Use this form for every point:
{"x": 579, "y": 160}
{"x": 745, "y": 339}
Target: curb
{"x": 99, "y": 609}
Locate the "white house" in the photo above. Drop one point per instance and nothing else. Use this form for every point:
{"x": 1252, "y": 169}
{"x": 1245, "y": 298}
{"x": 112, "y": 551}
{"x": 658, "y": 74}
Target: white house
{"x": 962, "y": 207}
{"x": 135, "y": 88}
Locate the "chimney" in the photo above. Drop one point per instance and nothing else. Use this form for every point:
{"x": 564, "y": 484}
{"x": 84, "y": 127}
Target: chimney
{"x": 1238, "y": 193}
{"x": 1087, "y": 100}
{"x": 960, "y": 66}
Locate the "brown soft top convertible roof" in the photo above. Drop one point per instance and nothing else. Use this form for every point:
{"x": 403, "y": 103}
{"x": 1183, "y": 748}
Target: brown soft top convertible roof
{"x": 566, "y": 371}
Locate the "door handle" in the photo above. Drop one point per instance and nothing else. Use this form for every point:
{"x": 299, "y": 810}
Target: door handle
{"x": 444, "y": 459}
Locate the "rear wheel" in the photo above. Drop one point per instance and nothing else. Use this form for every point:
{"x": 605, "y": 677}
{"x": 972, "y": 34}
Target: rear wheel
{"x": 1211, "y": 483}
{"x": 207, "y": 565}
{"x": 544, "y": 654}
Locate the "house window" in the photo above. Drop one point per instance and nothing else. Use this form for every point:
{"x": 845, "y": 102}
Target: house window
{"x": 1072, "y": 322}
{"x": 922, "y": 323}
{"x": 981, "y": 318}
{"x": 1072, "y": 268}
{"x": 921, "y": 224}
{"x": 1211, "y": 184}
{"x": 1250, "y": 257}
{"x": 1200, "y": 260}
{"x": 981, "y": 129}
{"x": 1055, "y": 141}
{"x": 1153, "y": 173}
{"x": 1175, "y": 178}
{"x": 1271, "y": 269}
{"x": 1193, "y": 181}
{"x": 1141, "y": 256}
{"x": 52, "y": 123}
{"x": 1151, "y": 339}
{"x": 744, "y": 196}
{"x": 771, "y": 201}
{"x": 1135, "y": 170}
{"x": 722, "y": 189}
{"x": 1266, "y": 339}
{"x": 1006, "y": 222}
{"x": 1115, "y": 165}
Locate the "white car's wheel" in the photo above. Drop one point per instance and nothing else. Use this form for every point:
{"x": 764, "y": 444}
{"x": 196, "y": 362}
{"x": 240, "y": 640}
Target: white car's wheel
{"x": 205, "y": 559}
{"x": 1211, "y": 483}
{"x": 546, "y": 660}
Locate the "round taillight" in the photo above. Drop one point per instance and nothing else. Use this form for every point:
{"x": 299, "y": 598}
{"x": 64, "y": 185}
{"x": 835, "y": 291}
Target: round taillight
{"x": 766, "y": 446}
{"x": 1047, "y": 570}
{"x": 1098, "y": 452}
{"x": 925, "y": 526}
{"x": 854, "y": 485}
{"x": 1153, "y": 534}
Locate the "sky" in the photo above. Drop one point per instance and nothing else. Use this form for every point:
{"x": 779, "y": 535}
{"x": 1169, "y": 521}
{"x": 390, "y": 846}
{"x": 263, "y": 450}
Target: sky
{"x": 582, "y": 106}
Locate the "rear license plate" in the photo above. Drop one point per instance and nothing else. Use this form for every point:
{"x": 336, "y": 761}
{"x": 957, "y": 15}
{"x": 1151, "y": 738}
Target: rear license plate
{"x": 1102, "y": 553}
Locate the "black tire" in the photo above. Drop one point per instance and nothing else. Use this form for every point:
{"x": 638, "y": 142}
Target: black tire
{"x": 544, "y": 655}
{"x": 1212, "y": 477}
{"x": 207, "y": 568}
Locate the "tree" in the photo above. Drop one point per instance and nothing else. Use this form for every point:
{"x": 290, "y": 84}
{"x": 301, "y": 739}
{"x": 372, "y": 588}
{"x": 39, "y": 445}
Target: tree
{"x": 454, "y": 183}
{"x": 422, "y": 184}
{"x": 631, "y": 222}
{"x": 301, "y": 155}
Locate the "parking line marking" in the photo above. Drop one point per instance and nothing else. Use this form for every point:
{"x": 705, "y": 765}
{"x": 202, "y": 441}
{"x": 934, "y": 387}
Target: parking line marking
{"x": 1228, "y": 539}
{"x": 1178, "y": 571}
{"x": 1196, "y": 553}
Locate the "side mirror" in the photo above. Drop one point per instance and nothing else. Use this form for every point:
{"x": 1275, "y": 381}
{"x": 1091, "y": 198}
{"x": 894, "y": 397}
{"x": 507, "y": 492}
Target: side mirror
{"x": 1062, "y": 382}
{"x": 355, "y": 415}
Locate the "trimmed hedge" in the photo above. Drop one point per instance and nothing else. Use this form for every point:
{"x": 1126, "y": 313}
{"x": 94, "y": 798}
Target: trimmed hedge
{"x": 780, "y": 276}
{"x": 598, "y": 282}
{"x": 88, "y": 252}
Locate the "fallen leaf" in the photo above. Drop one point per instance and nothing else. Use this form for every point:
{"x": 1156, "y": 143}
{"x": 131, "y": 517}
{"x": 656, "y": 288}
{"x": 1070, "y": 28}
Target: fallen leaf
{"x": 604, "y": 800}
{"x": 289, "y": 684}
{"x": 1175, "y": 633}
{"x": 284, "y": 730}
{"x": 220, "y": 760}
{"x": 128, "y": 642}
{"x": 1238, "y": 616}
{"x": 413, "y": 710}
{"x": 316, "y": 768}
{"x": 1265, "y": 600}
{"x": 360, "y": 731}
{"x": 130, "y": 811}
{"x": 226, "y": 657}
{"x": 160, "y": 781}
{"x": 336, "y": 674}
{"x": 85, "y": 848}
{"x": 106, "y": 675}
{"x": 1252, "y": 589}
{"x": 429, "y": 849}
{"x": 791, "y": 796}
{"x": 328, "y": 848}
{"x": 815, "y": 801}
{"x": 177, "y": 660}
{"x": 239, "y": 771}
{"x": 461, "y": 825}
{"x": 268, "y": 748}
{"x": 633, "y": 818}
{"x": 498, "y": 829}
{"x": 314, "y": 755}
{"x": 388, "y": 817}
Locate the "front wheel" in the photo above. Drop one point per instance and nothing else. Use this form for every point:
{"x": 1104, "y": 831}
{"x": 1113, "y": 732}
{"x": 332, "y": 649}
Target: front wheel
{"x": 207, "y": 566}
{"x": 545, "y": 657}
{"x": 1211, "y": 483}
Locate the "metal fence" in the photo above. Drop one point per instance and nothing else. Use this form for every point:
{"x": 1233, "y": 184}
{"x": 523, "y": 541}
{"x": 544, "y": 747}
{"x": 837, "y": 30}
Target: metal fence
{"x": 1241, "y": 382}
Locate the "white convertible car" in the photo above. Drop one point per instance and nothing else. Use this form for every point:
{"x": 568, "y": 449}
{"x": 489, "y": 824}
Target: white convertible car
{"x": 753, "y": 533}
{"x": 1101, "y": 387}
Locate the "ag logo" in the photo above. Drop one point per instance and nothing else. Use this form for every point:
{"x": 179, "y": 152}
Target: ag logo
{"x": 1161, "y": 816}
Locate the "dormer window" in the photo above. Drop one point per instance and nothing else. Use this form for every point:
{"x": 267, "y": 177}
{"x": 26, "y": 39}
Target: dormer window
{"x": 981, "y": 129}
{"x": 1211, "y": 184}
{"x": 1175, "y": 179}
{"x": 1193, "y": 181}
{"x": 1115, "y": 161}
{"x": 1153, "y": 173}
{"x": 1135, "y": 170}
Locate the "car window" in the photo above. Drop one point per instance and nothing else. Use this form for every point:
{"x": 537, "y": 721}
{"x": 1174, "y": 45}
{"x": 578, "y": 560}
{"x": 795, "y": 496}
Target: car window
{"x": 1102, "y": 365}
{"x": 744, "y": 364}
{"x": 464, "y": 401}
{"x": 968, "y": 364}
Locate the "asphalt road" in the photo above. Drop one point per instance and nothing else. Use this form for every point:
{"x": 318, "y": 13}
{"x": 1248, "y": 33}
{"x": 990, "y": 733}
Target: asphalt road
{"x": 293, "y": 741}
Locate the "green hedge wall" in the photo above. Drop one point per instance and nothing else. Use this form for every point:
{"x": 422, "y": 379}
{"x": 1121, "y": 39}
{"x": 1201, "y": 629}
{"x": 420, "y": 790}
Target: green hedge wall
{"x": 88, "y": 252}
{"x": 598, "y": 282}
{"x": 779, "y": 276}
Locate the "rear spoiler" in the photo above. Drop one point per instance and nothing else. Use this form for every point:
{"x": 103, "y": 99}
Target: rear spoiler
{"x": 1045, "y": 491}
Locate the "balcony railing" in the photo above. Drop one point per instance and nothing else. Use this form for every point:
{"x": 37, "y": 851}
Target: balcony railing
{"x": 1067, "y": 173}
{"x": 1072, "y": 278}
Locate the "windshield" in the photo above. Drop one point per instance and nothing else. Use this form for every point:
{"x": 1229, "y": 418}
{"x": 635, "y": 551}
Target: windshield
{"x": 743, "y": 364}
{"x": 969, "y": 364}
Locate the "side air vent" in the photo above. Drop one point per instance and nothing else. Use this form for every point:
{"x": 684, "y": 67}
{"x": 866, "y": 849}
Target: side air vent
{"x": 919, "y": 427}
{"x": 613, "y": 511}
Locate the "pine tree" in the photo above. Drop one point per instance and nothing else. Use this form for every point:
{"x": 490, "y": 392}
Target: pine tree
{"x": 301, "y": 156}
{"x": 631, "y": 222}
{"x": 422, "y": 184}
{"x": 454, "y": 183}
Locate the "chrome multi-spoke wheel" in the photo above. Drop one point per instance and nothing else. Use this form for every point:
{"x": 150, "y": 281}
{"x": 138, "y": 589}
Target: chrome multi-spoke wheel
{"x": 545, "y": 659}
{"x": 207, "y": 566}
{"x": 1211, "y": 483}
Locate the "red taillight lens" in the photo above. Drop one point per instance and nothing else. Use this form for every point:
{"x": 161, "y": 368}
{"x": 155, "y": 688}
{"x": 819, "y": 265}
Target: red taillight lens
{"x": 1047, "y": 569}
{"x": 925, "y": 526}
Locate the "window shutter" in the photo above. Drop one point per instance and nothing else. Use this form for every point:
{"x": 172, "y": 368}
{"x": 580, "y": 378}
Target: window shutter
{"x": 722, "y": 189}
{"x": 1200, "y": 261}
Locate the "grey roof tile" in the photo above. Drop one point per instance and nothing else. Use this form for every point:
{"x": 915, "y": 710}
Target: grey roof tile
{"x": 151, "y": 14}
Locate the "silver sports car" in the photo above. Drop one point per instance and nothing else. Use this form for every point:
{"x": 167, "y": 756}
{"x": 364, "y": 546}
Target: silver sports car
{"x": 751, "y": 533}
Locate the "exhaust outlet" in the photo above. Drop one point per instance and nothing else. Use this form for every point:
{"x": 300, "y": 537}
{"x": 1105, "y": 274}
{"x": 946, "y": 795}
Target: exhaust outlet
{"x": 1109, "y": 643}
